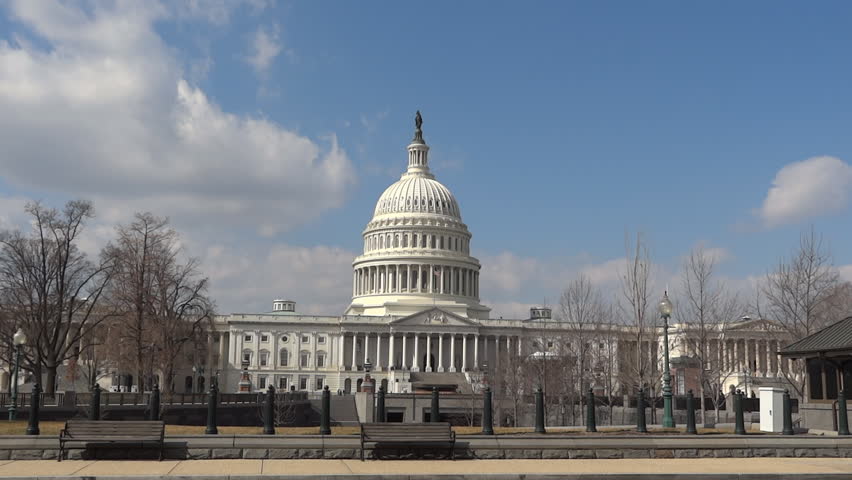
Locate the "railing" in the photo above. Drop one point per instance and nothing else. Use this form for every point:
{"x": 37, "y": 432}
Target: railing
{"x": 71, "y": 399}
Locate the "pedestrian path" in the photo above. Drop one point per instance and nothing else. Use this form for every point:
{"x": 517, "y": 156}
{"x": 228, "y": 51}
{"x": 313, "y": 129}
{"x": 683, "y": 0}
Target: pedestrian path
{"x": 701, "y": 468}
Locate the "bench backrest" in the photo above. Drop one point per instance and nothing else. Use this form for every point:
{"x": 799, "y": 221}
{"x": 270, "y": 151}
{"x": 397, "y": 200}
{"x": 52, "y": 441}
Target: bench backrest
{"x": 415, "y": 431}
{"x": 109, "y": 428}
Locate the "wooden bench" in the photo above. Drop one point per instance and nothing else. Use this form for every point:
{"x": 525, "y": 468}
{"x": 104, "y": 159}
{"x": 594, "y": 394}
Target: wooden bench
{"x": 411, "y": 435}
{"x": 139, "y": 434}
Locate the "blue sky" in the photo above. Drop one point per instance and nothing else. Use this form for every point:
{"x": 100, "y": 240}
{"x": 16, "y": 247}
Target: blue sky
{"x": 267, "y": 130}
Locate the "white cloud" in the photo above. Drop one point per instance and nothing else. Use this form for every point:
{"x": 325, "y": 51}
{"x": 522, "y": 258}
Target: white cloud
{"x": 812, "y": 187}
{"x": 318, "y": 278}
{"x": 104, "y": 110}
{"x": 265, "y": 47}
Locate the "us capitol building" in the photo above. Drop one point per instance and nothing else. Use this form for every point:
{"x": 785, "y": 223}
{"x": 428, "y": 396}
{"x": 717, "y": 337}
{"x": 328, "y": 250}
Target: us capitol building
{"x": 415, "y": 312}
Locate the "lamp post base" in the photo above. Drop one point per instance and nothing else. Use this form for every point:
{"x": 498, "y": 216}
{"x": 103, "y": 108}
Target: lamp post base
{"x": 668, "y": 419}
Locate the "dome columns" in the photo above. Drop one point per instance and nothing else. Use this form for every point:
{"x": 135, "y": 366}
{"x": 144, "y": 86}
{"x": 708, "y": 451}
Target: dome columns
{"x": 410, "y": 278}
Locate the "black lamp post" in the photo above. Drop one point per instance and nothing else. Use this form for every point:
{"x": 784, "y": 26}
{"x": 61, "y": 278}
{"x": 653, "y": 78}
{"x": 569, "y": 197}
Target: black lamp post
{"x": 19, "y": 340}
{"x": 666, "y": 313}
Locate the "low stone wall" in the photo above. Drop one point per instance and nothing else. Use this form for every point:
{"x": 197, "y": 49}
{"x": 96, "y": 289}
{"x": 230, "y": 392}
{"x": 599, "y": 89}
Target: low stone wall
{"x": 550, "y": 446}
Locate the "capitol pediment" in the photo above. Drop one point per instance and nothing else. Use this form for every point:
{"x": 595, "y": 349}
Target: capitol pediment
{"x": 434, "y": 317}
{"x": 756, "y": 325}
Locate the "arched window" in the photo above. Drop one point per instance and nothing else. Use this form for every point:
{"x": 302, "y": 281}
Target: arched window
{"x": 433, "y": 240}
{"x": 395, "y": 241}
{"x": 321, "y": 356}
{"x": 247, "y": 356}
{"x": 405, "y": 241}
{"x": 414, "y": 240}
{"x": 423, "y": 241}
{"x": 441, "y": 243}
{"x": 305, "y": 359}
{"x": 283, "y": 357}
{"x": 382, "y": 241}
{"x": 264, "y": 358}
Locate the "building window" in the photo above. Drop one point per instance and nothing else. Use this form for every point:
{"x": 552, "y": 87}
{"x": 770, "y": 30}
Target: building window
{"x": 247, "y": 356}
{"x": 549, "y": 344}
{"x": 320, "y": 360}
{"x": 261, "y": 383}
{"x": 284, "y": 339}
{"x": 283, "y": 357}
{"x": 306, "y": 339}
{"x": 247, "y": 338}
{"x": 319, "y": 383}
{"x": 282, "y": 383}
{"x": 321, "y": 340}
{"x": 264, "y": 359}
{"x": 304, "y": 359}
{"x": 264, "y": 338}
{"x": 303, "y": 383}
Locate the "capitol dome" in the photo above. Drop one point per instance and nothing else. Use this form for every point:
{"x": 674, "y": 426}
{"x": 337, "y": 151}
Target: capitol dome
{"x": 416, "y": 248}
{"x": 417, "y": 194}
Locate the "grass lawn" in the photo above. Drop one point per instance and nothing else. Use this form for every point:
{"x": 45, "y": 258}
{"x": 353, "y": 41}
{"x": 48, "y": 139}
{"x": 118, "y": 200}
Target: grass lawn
{"x": 19, "y": 427}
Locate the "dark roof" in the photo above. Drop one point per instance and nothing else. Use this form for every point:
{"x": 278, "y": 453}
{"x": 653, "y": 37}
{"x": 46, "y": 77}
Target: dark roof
{"x": 835, "y": 337}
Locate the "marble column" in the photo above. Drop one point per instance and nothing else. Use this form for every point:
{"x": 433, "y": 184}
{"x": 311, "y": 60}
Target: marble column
{"x": 419, "y": 278}
{"x": 341, "y": 361}
{"x": 428, "y": 352}
{"x": 414, "y": 364}
{"x": 354, "y": 347}
{"x": 476, "y": 353}
{"x": 391, "y": 364}
{"x": 464, "y": 353}
{"x": 378, "y": 352}
{"x": 222, "y": 357}
{"x": 736, "y": 358}
{"x": 431, "y": 279}
{"x": 366, "y": 347}
{"x": 404, "y": 358}
{"x": 518, "y": 339}
{"x": 408, "y": 278}
{"x": 453, "y": 352}
{"x": 440, "y": 352}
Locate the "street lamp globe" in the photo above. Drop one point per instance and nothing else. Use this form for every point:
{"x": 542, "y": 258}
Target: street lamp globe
{"x": 665, "y": 306}
{"x": 20, "y": 338}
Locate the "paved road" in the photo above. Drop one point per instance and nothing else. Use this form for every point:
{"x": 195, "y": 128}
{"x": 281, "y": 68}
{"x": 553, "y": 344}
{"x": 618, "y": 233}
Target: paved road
{"x": 701, "y": 468}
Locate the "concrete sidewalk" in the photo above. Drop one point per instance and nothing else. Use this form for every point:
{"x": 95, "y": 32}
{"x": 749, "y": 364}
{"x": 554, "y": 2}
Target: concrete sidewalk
{"x": 700, "y": 468}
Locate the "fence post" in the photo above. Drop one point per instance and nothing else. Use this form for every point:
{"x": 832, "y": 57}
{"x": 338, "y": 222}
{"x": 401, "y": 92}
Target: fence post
{"x": 212, "y": 404}
{"x": 269, "y": 412}
{"x": 842, "y": 415}
{"x": 690, "y": 413}
{"x": 788, "y": 414}
{"x": 539, "y": 411}
{"x": 487, "y": 420}
{"x": 325, "y": 416}
{"x": 738, "y": 407}
{"x": 435, "y": 411}
{"x": 95, "y": 408}
{"x": 380, "y": 405}
{"x": 641, "y": 425}
{"x": 591, "y": 425}
{"x": 32, "y": 426}
{"x": 154, "y": 410}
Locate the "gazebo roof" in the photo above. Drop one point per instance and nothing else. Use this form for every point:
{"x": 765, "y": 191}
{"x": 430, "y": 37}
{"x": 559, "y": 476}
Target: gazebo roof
{"x": 835, "y": 338}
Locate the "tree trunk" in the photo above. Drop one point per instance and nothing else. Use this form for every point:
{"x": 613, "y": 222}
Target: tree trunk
{"x": 701, "y": 392}
{"x": 50, "y": 383}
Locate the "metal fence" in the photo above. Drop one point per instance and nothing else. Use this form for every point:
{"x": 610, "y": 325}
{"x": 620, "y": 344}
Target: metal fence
{"x": 72, "y": 399}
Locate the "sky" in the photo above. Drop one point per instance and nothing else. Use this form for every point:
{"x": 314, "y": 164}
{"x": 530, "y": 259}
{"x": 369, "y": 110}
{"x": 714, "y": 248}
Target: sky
{"x": 266, "y": 131}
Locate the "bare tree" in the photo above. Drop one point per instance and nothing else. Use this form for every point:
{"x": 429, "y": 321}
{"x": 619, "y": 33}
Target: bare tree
{"x": 49, "y": 286}
{"x": 180, "y": 311}
{"x": 706, "y": 308}
{"x": 514, "y": 382}
{"x": 604, "y": 357}
{"x": 802, "y": 294}
{"x": 137, "y": 248}
{"x": 635, "y": 287}
{"x": 581, "y": 312}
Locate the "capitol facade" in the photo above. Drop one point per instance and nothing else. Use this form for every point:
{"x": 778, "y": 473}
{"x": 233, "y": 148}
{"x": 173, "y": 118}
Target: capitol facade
{"x": 415, "y": 314}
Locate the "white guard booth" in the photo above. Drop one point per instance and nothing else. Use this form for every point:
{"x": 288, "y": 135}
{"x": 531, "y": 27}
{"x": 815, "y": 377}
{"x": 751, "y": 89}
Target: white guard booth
{"x": 771, "y": 409}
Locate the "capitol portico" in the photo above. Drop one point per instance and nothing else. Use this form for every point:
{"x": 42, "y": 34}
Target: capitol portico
{"x": 415, "y": 311}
